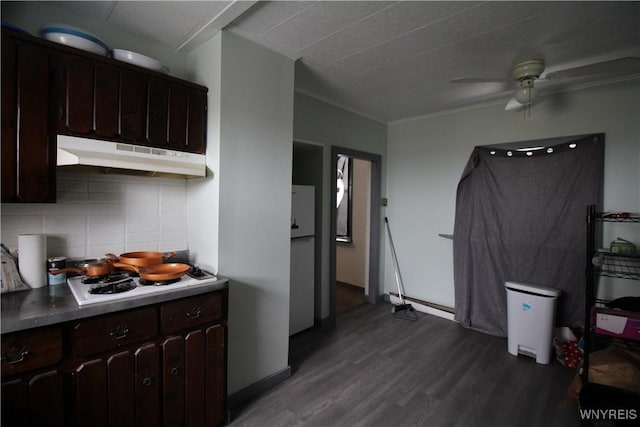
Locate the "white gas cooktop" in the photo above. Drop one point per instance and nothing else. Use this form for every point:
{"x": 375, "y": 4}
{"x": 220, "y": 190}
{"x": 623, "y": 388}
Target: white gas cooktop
{"x": 83, "y": 297}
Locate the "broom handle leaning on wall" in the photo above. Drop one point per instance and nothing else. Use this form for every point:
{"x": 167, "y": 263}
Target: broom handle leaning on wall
{"x": 396, "y": 267}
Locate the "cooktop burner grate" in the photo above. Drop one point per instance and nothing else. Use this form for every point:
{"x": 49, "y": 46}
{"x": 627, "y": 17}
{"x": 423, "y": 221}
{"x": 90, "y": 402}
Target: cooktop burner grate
{"x": 123, "y": 285}
{"x": 144, "y": 282}
{"x": 112, "y": 277}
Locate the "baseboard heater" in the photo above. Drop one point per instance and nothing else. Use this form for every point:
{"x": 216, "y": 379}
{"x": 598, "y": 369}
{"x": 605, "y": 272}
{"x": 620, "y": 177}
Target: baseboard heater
{"x": 425, "y": 306}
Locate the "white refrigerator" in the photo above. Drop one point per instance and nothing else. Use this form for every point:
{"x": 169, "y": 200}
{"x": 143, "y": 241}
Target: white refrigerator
{"x": 302, "y": 277}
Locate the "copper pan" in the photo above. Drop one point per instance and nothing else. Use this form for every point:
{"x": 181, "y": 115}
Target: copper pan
{"x": 142, "y": 258}
{"x": 158, "y": 272}
{"x": 92, "y": 268}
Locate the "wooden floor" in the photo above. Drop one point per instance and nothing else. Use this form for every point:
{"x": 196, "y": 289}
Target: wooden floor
{"x": 375, "y": 370}
{"x": 348, "y": 297}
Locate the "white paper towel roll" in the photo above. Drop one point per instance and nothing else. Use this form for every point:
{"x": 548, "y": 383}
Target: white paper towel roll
{"x": 32, "y": 259}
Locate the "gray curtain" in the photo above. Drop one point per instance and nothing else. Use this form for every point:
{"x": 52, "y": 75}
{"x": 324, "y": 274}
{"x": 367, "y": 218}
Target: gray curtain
{"x": 520, "y": 216}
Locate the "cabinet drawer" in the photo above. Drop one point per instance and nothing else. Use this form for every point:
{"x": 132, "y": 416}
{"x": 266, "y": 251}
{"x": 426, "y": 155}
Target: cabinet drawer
{"x": 190, "y": 312}
{"x": 113, "y": 331}
{"x": 23, "y": 351}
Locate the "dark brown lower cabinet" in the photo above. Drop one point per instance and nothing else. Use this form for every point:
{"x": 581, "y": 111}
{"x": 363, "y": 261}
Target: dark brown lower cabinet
{"x": 33, "y": 401}
{"x": 127, "y": 368}
{"x": 105, "y": 391}
{"x": 192, "y": 368}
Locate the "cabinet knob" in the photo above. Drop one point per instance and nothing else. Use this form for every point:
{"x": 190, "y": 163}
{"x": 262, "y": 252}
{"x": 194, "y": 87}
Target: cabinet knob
{"x": 194, "y": 313}
{"x": 15, "y": 355}
{"x": 174, "y": 370}
{"x": 147, "y": 381}
{"x": 119, "y": 332}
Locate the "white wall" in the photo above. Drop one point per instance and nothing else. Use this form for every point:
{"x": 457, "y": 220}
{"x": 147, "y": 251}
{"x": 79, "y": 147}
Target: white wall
{"x": 203, "y": 206}
{"x": 256, "y": 143}
{"x": 426, "y": 157}
{"x": 327, "y": 125}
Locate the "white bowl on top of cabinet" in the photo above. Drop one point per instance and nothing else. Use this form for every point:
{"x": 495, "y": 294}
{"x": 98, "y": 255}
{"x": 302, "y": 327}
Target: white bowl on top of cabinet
{"x": 138, "y": 59}
{"x": 74, "y": 37}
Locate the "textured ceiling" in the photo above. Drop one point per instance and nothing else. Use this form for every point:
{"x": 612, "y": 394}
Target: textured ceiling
{"x": 393, "y": 60}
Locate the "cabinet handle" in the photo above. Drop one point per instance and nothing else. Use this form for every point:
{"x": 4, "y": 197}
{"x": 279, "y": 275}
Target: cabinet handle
{"x": 119, "y": 332}
{"x": 174, "y": 371}
{"x": 194, "y": 313}
{"x": 15, "y": 355}
{"x": 61, "y": 109}
{"x": 146, "y": 381}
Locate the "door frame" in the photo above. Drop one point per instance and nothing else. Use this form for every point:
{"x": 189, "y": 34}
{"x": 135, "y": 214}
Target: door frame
{"x": 374, "y": 226}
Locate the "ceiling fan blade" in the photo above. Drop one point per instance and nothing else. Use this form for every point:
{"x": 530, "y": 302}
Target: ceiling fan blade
{"x": 620, "y": 66}
{"x": 513, "y": 105}
{"x": 477, "y": 80}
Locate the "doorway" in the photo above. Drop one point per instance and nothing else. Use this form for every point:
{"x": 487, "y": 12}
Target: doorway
{"x": 352, "y": 232}
{"x": 364, "y": 168}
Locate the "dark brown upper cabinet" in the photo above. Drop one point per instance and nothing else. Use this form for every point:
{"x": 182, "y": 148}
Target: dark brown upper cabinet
{"x": 49, "y": 89}
{"x": 107, "y": 98}
{"x": 132, "y": 106}
{"x": 28, "y": 152}
{"x": 109, "y": 102}
{"x": 157, "y": 112}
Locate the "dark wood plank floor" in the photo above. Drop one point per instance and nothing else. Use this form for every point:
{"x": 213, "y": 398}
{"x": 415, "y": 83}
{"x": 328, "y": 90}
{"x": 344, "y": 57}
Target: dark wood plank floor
{"x": 375, "y": 370}
{"x": 348, "y": 297}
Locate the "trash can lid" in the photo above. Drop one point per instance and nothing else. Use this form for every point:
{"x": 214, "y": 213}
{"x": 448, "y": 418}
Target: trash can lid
{"x": 532, "y": 289}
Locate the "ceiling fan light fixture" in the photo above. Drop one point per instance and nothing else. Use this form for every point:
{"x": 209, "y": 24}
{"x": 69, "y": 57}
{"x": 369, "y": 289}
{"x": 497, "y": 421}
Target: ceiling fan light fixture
{"x": 526, "y": 93}
{"x": 525, "y": 96}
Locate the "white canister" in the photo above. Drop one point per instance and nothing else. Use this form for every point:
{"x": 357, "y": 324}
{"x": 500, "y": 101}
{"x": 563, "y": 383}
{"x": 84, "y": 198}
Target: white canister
{"x": 32, "y": 259}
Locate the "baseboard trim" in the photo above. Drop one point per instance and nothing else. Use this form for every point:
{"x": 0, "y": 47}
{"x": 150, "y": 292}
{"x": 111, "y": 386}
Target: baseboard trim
{"x": 350, "y": 286}
{"x": 425, "y": 306}
{"x": 241, "y": 397}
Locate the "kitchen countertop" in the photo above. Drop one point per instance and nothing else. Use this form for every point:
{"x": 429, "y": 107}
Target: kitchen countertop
{"x": 55, "y": 304}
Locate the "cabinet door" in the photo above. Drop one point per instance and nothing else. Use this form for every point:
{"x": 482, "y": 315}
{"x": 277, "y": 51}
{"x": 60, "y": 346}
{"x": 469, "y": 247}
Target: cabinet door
{"x": 157, "y": 109}
{"x": 173, "y": 381}
{"x": 121, "y": 403}
{"x": 90, "y": 392}
{"x": 36, "y": 401}
{"x": 187, "y": 119}
{"x": 106, "y": 85}
{"x": 15, "y": 402}
{"x": 215, "y": 372}
{"x": 178, "y": 116}
{"x": 28, "y": 155}
{"x": 132, "y": 106}
{"x": 197, "y": 126}
{"x": 46, "y": 403}
{"x": 194, "y": 379}
{"x": 147, "y": 386}
{"x": 78, "y": 118}
{"x": 9, "y": 119}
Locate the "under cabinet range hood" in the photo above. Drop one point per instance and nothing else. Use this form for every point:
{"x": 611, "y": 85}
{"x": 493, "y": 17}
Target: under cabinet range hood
{"x": 114, "y": 155}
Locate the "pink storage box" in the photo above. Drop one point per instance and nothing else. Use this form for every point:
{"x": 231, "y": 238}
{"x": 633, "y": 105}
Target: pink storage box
{"x": 616, "y": 323}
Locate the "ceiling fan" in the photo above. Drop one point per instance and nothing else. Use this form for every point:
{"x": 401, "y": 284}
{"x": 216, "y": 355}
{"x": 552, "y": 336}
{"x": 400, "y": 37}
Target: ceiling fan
{"x": 527, "y": 72}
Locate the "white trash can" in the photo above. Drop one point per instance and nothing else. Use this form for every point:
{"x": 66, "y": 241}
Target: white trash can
{"x": 531, "y": 312}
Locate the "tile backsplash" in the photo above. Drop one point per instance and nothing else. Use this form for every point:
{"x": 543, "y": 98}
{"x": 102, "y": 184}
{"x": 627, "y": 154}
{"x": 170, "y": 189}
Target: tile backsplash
{"x": 98, "y": 213}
